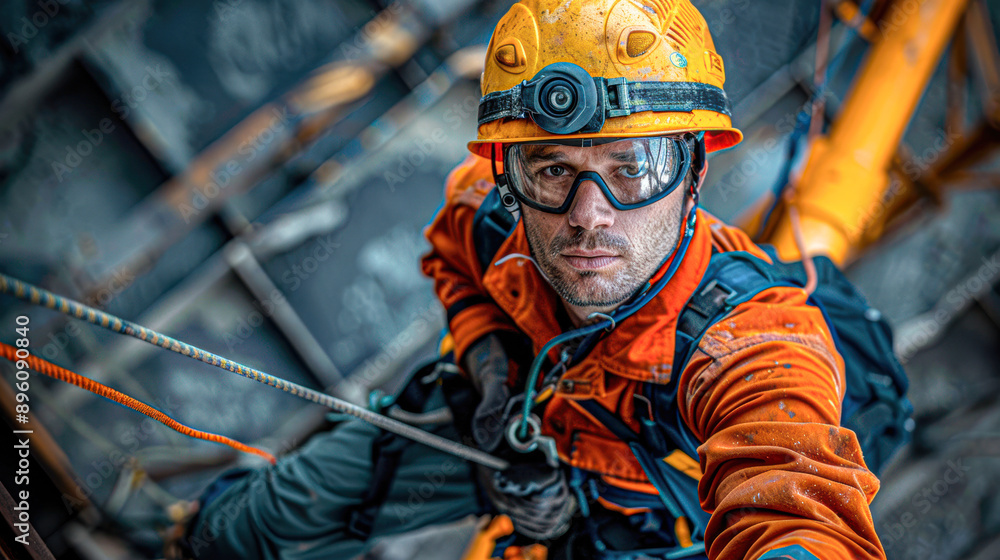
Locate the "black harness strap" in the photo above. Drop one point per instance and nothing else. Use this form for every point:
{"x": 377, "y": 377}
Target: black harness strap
{"x": 491, "y": 226}
{"x": 387, "y": 449}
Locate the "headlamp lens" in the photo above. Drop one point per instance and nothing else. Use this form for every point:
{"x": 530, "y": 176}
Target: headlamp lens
{"x": 632, "y": 173}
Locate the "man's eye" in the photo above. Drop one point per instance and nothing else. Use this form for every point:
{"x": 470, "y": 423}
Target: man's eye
{"x": 555, "y": 170}
{"x": 633, "y": 171}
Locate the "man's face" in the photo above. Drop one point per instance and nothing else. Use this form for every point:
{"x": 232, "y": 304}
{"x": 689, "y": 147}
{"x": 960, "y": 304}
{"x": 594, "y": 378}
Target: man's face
{"x": 595, "y": 256}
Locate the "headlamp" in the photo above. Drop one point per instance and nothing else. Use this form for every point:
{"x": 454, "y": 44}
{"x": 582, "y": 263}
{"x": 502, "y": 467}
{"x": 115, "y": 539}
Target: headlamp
{"x": 562, "y": 98}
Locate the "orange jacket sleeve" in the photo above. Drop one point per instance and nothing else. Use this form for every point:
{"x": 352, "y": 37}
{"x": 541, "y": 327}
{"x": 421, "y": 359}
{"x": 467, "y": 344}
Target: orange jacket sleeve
{"x": 763, "y": 392}
{"x": 452, "y": 261}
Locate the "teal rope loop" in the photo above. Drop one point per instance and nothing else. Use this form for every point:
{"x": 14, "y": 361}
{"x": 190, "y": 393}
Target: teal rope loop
{"x": 688, "y": 225}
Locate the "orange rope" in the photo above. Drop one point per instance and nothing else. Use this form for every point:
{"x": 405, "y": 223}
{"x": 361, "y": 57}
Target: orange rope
{"x": 56, "y": 372}
{"x": 815, "y": 127}
{"x": 811, "y": 279}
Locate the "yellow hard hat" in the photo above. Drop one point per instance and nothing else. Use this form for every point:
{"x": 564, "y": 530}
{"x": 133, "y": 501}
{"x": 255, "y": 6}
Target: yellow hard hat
{"x": 559, "y": 69}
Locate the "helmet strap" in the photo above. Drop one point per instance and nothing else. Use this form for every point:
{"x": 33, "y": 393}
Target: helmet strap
{"x": 699, "y": 166}
{"x": 507, "y": 197}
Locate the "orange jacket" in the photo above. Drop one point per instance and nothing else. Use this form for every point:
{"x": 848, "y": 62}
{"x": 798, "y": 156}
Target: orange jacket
{"x": 762, "y": 391}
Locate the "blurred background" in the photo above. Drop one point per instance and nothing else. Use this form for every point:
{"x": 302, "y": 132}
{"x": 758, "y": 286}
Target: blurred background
{"x": 253, "y": 176}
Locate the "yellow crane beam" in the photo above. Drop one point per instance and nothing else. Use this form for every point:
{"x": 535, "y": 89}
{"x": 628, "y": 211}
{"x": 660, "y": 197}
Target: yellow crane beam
{"x": 845, "y": 177}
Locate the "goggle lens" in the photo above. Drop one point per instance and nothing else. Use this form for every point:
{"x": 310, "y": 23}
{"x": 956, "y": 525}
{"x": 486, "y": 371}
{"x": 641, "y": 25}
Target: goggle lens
{"x": 632, "y": 173}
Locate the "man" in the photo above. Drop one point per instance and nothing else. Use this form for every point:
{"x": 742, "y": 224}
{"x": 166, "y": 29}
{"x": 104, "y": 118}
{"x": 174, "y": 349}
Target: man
{"x": 594, "y": 123}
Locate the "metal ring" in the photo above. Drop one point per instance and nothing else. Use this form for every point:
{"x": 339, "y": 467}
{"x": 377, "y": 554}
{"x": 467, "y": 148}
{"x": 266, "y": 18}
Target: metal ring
{"x": 604, "y": 316}
{"x": 531, "y": 443}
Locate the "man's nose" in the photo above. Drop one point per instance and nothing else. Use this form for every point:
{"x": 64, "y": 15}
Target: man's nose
{"x": 590, "y": 208}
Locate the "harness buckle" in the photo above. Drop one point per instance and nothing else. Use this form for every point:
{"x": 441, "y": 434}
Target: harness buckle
{"x": 719, "y": 293}
{"x": 360, "y": 524}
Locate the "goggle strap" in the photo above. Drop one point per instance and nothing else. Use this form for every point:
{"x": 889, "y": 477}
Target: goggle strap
{"x": 507, "y": 198}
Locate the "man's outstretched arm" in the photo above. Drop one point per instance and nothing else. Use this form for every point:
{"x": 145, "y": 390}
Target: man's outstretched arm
{"x": 781, "y": 476}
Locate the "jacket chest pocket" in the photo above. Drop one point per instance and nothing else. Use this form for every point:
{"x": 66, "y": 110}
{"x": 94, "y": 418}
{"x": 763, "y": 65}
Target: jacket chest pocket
{"x": 607, "y": 456}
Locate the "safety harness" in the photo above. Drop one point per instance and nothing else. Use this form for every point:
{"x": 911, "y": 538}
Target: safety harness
{"x": 875, "y": 406}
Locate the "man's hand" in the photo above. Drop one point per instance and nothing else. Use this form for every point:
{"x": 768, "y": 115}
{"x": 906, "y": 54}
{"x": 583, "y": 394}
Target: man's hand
{"x": 486, "y": 363}
{"x": 536, "y": 496}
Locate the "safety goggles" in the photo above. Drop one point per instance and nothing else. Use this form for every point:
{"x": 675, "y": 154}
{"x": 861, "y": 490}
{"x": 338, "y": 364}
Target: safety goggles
{"x": 631, "y": 173}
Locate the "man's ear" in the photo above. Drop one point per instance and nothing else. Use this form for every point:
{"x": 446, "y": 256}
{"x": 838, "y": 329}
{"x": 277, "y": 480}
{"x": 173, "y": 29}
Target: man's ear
{"x": 702, "y": 173}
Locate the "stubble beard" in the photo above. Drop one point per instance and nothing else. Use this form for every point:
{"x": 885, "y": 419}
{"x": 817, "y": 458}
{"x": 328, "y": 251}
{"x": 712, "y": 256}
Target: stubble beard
{"x": 592, "y": 288}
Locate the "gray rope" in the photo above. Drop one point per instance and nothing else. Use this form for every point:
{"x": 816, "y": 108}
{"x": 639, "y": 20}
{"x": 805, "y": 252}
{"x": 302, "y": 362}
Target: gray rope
{"x": 38, "y": 296}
